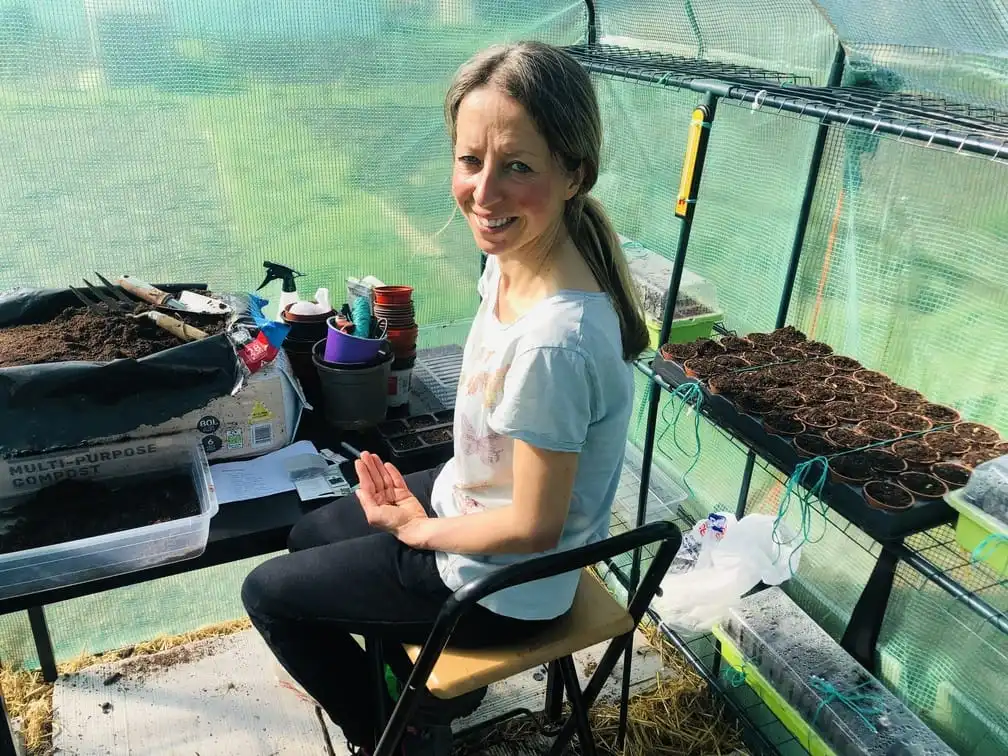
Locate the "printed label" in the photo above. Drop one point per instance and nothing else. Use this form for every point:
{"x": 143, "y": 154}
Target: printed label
{"x": 208, "y": 424}
{"x": 212, "y": 444}
{"x": 259, "y": 413}
{"x": 262, "y": 434}
{"x": 233, "y": 437}
{"x": 84, "y": 464}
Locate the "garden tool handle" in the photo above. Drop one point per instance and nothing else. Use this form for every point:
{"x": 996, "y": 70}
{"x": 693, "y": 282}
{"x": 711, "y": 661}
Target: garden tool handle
{"x": 144, "y": 291}
{"x": 176, "y": 327}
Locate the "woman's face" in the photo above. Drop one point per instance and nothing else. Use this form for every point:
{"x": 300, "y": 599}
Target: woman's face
{"x": 510, "y": 187}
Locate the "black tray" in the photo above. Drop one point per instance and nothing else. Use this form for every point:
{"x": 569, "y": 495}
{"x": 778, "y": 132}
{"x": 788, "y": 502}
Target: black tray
{"x": 407, "y": 439}
{"x": 848, "y": 500}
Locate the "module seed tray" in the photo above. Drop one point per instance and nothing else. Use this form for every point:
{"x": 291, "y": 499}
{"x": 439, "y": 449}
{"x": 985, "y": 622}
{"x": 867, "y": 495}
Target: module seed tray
{"x": 419, "y": 436}
{"x": 800, "y": 671}
{"x": 847, "y": 499}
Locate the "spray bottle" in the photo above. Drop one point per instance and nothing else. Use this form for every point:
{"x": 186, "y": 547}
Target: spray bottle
{"x": 288, "y": 293}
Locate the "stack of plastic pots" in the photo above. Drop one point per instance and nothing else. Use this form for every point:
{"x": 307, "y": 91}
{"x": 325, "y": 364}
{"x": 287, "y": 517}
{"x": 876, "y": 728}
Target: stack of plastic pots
{"x": 354, "y": 375}
{"x": 394, "y": 305}
{"x": 306, "y": 330}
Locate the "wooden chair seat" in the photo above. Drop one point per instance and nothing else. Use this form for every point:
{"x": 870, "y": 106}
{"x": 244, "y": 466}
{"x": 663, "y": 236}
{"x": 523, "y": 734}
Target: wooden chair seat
{"x": 595, "y": 617}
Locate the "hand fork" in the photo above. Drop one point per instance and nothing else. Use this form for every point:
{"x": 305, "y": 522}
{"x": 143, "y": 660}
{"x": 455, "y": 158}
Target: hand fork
{"x": 117, "y": 302}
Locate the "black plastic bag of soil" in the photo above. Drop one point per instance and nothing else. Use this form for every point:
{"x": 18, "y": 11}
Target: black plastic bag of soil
{"x": 62, "y": 404}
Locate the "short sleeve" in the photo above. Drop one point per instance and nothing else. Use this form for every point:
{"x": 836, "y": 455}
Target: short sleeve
{"x": 546, "y": 399}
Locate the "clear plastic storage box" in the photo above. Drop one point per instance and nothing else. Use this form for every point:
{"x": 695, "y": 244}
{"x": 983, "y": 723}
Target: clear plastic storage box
{"x": 72, "y": 562}
{"x": 982, "y": 523}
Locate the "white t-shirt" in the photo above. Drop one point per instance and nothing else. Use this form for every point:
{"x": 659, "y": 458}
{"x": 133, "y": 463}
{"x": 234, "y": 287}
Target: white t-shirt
{"x": 555, "y": 378}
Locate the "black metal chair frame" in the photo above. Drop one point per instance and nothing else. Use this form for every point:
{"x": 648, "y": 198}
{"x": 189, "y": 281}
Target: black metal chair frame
{"x": 580, "y": 700}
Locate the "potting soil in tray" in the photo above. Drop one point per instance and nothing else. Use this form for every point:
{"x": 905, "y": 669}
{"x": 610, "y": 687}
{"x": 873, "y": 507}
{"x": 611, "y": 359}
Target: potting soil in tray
{"x": 419, "y": 436}
{"x": 74, "y": 509}
{"x": 784, "y": 451}
{"x": 803, "y": 666}
{"x": 82, "y": 334}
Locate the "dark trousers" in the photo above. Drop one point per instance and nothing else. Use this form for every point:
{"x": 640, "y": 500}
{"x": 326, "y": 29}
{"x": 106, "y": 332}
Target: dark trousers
{"x": 341, "y": 577}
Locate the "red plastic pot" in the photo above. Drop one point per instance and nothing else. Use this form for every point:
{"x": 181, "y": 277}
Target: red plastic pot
{"x": 393, "y": 295}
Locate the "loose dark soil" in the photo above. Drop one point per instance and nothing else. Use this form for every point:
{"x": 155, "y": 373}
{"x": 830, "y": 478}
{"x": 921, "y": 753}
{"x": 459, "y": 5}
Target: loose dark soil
{"x": 392, "y": 427}
{"x": 729, "y": 362}
{"x": 763, "y": 341}
{"x": 421, "y": 421}
{"x": 1001, "y": 448}
{"x": 843, "y": 384}
{"x": 871, "y": 378}
{"x": 979, "y": 456}
{"x": 405, "y": 443}
{"x": 946, "y": 443}
{"x": 816, "y": 393}
{"x": 903, "y": 395}
{"x": 884, "y": 495}
{"x": 755, "y": 404}
{"x": 700, "y": 367}
{"x": 923, "y": 484}
{"x": 787, "y": 335}
{"x": 786, "y": 375}
{"x": 877, "y": 404}
{"x": 74, "y": 509}
{"x": 813, "y": 445}
{"x": 848, "y": 411}
{"x": 759, "y": 357}
{"x": 938, "y": 413}
{"x": 786, "y": 398}
{"x": 708, "y": 348}
{"x": 909, "y": 421}
{"x": 736, "y": 344}
{"x": 878, "y": 430}
{"x": 81, "y": 334}
{"x": 856, "y": 467}
{"x": 885, "y": 462}
{"x": 783, "y": 424}
{"x": 438, "y": 436}
{"x": 847, "y": 438}
{"x": 977, "y": 434}
{"x": 687, "y": 307}
{"x": 727, "y": 384}
{"x": 817, "y": 370}
{"x": 951, "y": 474}
{"x": 818, "y": 417}
{"x": 787, "y": 353}
{"x": 678, "y": 352}
{"x": 840, "y": 362}
{"x": 758, "y": 380}
{"x": 915, "y": 451}
{"x": 816, "y": 348}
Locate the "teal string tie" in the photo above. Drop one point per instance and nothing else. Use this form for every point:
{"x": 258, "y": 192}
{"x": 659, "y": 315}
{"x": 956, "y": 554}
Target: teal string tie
{"x": 986, "y": 548}
{"x": 736, "y": 678}
{"x": 689, "y": 395}
{"x": 809, "y": 478}
{"x": 863, "y": 704}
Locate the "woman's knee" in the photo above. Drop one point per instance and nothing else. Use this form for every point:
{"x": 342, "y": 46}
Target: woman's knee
{"x": 260, "y": 591}
{"x": 338, "y": 521}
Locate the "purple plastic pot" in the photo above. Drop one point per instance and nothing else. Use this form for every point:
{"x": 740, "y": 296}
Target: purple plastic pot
{"x": 346, "y": 349}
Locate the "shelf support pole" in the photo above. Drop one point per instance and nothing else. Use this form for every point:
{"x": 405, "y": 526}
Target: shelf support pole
{"x": 592, "y": 23}
{"x": 696, "y": 153}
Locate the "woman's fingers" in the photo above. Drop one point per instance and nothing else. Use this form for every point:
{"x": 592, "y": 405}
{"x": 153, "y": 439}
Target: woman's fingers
{"x": 397, "y": 479}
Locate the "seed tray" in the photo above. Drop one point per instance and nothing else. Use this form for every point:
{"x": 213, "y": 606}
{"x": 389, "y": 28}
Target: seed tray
{"x": 847, "y": 499}
{"x": 781, "y": 650}
{"x": 422, "y": 436}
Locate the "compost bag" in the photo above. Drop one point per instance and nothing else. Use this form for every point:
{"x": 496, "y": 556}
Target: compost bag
{"x": 45, "y": 407}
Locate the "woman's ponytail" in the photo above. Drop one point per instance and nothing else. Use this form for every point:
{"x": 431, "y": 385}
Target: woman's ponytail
{"x": 595, "y": 238}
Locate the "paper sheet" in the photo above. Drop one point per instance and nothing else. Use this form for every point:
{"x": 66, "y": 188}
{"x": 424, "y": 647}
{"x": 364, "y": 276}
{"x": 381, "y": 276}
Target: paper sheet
{"x": 253, "y": 478}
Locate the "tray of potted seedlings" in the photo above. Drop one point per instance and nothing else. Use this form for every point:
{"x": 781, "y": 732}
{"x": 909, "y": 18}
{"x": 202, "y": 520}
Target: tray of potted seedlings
{"x": 419, "y": 439}
{"x": 820, "y": 693}
{"x": 892, "y": 454}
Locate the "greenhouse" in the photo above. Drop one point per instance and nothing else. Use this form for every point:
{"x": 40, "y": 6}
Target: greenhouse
{"x": 244, "y": 262}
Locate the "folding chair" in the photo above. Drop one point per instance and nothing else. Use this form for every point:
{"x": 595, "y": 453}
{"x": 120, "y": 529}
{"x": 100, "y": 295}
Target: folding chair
{"x": 596, "y": 616}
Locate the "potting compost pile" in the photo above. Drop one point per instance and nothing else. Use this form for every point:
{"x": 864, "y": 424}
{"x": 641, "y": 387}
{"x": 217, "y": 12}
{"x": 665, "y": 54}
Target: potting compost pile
{"x": 79, "y": 333}
{"x": 890, "y": 440}
{"x": 74, "y": 509}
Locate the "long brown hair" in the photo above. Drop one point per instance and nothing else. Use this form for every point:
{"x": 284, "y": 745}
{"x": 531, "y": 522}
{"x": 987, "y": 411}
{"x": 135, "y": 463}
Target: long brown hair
{"x": 558, "y": 95}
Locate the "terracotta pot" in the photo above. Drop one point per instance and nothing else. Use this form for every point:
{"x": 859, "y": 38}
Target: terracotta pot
{"x": 909, "y": 479}
{"x": 893, "y": 464}
{"x": 393, "y": 295}
{"x": 838, "y": 472}
{"x": 873, "y": 488}
{"x": 952, "y": 474}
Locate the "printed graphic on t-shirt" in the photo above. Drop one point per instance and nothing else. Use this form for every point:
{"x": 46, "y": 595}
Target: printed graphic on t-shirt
{"x": 490, "y": 382}
{"x": 466, "y": 504}
{"x": 487, "y": 447}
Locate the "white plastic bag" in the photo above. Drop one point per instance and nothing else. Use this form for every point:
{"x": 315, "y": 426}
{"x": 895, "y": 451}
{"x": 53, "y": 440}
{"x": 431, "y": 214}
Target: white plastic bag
{"x": 720, "y": 560}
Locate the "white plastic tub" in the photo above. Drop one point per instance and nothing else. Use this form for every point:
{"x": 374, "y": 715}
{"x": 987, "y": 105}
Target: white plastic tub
{"x": 80, "y": 561}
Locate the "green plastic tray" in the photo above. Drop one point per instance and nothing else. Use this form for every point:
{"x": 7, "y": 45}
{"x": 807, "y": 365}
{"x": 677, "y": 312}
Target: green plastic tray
{"x": 973, "y": 526}
{"x": 786, "y": 713}
{"x": 685, "y": 330}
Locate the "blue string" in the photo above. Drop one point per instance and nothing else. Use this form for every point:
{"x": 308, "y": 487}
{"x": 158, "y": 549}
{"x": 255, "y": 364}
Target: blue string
{"x": 735, "y": 677}
{"x": 690, "y": 395}
{"x": 862, "y": 704}
{"x": 809, "y": 500}
{"x": 986, "y": 548}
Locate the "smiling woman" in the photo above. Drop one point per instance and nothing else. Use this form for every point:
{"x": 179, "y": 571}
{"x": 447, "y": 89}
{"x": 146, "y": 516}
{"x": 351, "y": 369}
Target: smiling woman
{"x": 541, "y": 412}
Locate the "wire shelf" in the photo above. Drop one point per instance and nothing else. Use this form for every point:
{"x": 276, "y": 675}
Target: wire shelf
{"x": 933, "y": 554}
{"x": 923, "y": 118}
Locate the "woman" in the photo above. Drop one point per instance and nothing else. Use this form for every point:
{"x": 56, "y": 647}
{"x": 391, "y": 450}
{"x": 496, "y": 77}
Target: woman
{"x": 541, "y": 413}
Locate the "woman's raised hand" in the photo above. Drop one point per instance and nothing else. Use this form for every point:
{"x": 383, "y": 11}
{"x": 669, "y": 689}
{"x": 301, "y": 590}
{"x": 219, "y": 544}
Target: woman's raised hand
{"x": 386, "y": 499}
